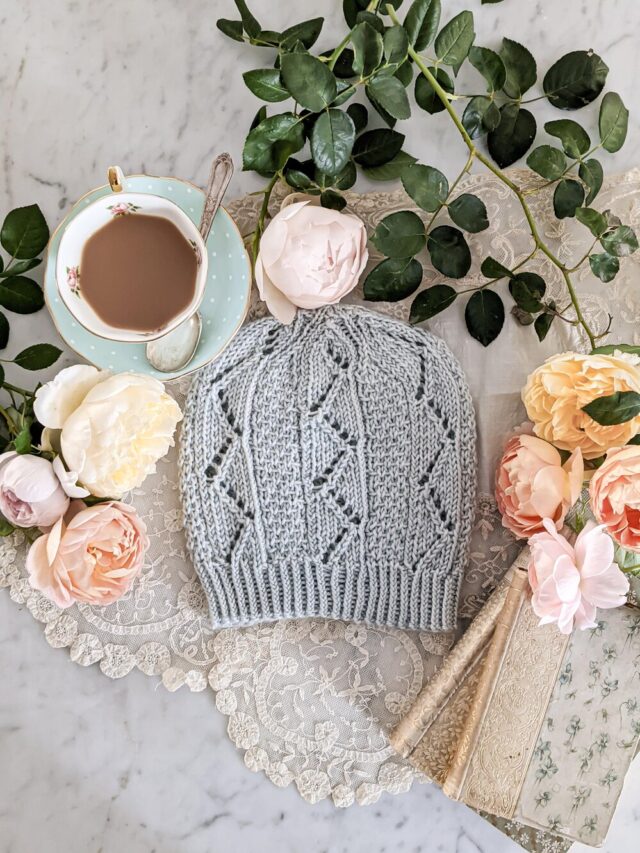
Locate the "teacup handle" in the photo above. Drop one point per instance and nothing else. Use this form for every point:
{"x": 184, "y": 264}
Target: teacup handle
{"x": 116, "y": 177}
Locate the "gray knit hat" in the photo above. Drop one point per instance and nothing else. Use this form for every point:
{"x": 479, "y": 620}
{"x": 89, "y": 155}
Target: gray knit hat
{"x": 328, "y": 469}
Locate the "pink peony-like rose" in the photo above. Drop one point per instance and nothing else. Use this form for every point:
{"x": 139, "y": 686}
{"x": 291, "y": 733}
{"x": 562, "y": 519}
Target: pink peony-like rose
{"x": 533, "y": 484}
{"x": 309, "y": 256}
{"x": 615, "y": 496}
{"x": 92, "y": 555}
{"x": 570, "y": 581}
{"x": 31, "y": 494}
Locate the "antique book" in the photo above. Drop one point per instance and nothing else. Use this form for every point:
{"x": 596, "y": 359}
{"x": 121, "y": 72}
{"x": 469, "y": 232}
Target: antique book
{"x": 533, "y": 729}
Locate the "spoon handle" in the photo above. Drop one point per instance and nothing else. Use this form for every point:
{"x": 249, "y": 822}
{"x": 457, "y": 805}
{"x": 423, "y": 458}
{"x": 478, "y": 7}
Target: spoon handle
{"x": 219, "y": 177}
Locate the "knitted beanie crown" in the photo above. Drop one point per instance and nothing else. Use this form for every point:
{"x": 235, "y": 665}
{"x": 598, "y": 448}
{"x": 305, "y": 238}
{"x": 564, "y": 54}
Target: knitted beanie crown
{"x": 328, "y": 469}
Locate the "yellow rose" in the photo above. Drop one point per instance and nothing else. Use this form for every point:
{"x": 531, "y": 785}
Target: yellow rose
{"x": 556, "y": 392}
{"x": 111, "y": 430}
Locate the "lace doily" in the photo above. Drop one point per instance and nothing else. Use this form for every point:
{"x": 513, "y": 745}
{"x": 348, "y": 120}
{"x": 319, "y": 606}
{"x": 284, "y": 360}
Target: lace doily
{"x": 311, "y": 702}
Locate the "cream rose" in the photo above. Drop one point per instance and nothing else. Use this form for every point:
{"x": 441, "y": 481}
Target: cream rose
{"x": 557, "y": 391}
{"x": 309, "y": 256}
{"x": 112, "y": 434}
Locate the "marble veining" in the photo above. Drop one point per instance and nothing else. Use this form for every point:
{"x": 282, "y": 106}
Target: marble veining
{"x": 98, "y": 766}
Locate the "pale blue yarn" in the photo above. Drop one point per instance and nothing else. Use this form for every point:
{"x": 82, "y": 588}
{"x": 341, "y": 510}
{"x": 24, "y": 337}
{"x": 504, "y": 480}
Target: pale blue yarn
{"x": 328, "y": 469}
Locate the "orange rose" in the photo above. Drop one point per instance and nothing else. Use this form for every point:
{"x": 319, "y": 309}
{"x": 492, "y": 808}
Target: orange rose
{"x": 532, "y": 484}
{"x": 615, "y": 496}
{"x": 556, "y": 392}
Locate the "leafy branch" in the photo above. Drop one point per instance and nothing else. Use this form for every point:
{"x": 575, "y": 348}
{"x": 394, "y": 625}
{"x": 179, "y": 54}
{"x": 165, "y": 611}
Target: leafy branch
{"x": 380, "y": 56}
{"x": 24, "y": 236}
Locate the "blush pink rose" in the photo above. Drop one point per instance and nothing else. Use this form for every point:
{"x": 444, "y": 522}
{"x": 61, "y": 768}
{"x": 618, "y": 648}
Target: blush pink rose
{"x": 31, "y": 495}
{"x": 570, "y": 581}
{"x": 92, "y": 556}
{"x": 533, "y": 484}
{"x": 309, "y": 256}
{"x": 615, "y": 496}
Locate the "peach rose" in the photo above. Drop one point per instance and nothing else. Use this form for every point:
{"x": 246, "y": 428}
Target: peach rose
{"x": 556, "y": 392}
{"x": 570, "y": 581}
{"x": 309, "y": 256}
{"x": 615, "y": 496}
{"x": 533, "y": 484}
{"x": 92, "y": 555}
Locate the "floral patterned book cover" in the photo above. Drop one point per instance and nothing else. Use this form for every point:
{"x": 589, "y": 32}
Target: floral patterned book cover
{"x": 541, "y": 728}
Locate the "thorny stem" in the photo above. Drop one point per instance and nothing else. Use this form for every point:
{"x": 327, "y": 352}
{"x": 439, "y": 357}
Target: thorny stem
{"x": 264, "y": 209}
{"x": 22, "y": 391}
{"x": 540, "y": 244}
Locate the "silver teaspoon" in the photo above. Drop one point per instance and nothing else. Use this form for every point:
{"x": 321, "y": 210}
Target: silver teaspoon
{"x": 174, "y": 350}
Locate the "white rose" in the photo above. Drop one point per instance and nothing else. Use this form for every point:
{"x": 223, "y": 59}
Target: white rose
{"x": 116, "y": 433}
{"x": 309, "y": 256}
{"x": 56, "y": 400}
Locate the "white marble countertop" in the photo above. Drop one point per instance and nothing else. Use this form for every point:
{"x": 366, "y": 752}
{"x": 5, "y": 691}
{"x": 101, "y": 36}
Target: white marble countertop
{"x": 94, "y": 765}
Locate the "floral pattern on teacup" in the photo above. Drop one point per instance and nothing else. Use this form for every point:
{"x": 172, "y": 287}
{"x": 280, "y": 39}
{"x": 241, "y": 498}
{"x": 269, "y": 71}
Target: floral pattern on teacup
{"x": 122, "y": 208}
{"x": 73, "y": 280}
{"x": 196, "y": 249}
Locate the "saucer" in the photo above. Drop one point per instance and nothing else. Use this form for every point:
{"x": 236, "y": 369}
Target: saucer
{"x": 224, "y": 304}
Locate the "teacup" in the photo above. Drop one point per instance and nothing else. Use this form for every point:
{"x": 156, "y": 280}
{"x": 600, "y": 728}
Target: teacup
{"x": 85, "y": 224}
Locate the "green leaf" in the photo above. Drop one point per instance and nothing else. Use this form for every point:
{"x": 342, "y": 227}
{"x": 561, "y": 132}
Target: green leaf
{"x": 4, "y": 331}
{"x": 332, "y": 200}
{"x": 430, "y": 302}
{"x": 351, "y": 8}
{"x": 37, "y": 357}
{"x": 298, "y": 180}
{"x": 22, "y": 442}
{"x": 575, "y": 140}
{"x": 449, "y": 251}
{"x": 454, "y": 40}
{"x": 490, "y": 65}
{"x": 309, "y": 80}
{"x": 359, "y": 116}
{"x": 21, "y": 295}
{"x": 593, "y": 219}
{"x": 425, "y": 94}
{"x": 345, "y": 91}
{"x": 527, "y": 289}
{"x": 367, "y": 48}
{"x": 388, "y": 119}
{"x": 400, "y": 235}
{"x": 332, "y": 141}
{"x": 547, "y": 161}
{"x": 520, "y": 66}
{"x": 232, "y": 29}
{"x": 251, "y": 26}
{"x": 427, "y": 186}
{"x": 392, "y": 170}
{"x": 392, "y": 280}
{"x": 391, "y": 95}
{"x": 404, "y": 73}
{"x": 621, "y": 241}
{"x": 396, "y": 45}
{"x": 343, "y": 180}
{"x": 24, "y": 232}
{"x": 605, "y": 266}
{"x": 269, "y": 145}
{"x": 19, "y": 267}
{"x": 513, "y": 136}
{"x": 575, "y": 80}
{"x": 259, "y": 117}
{"x": 590, "y": 171}
{"x": 616, "y": 408}
{"x": 484, "y": 316}
{"x": 567, "y": 197}
{"x": 377, "y": 147}
{"x": 421, "y": 22}
{"x": 542, "y": 324}
{"x": 481, "y": 115}
{"x": 610, "y": 349}
{"x": 469, "y": 212}
{"x": 265, "y": 83}
{"x": 613, "y": 122}
{"x": 306, "y": 32}
{"x": 6, "y": 529}
{"x": 490, "y": 268}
